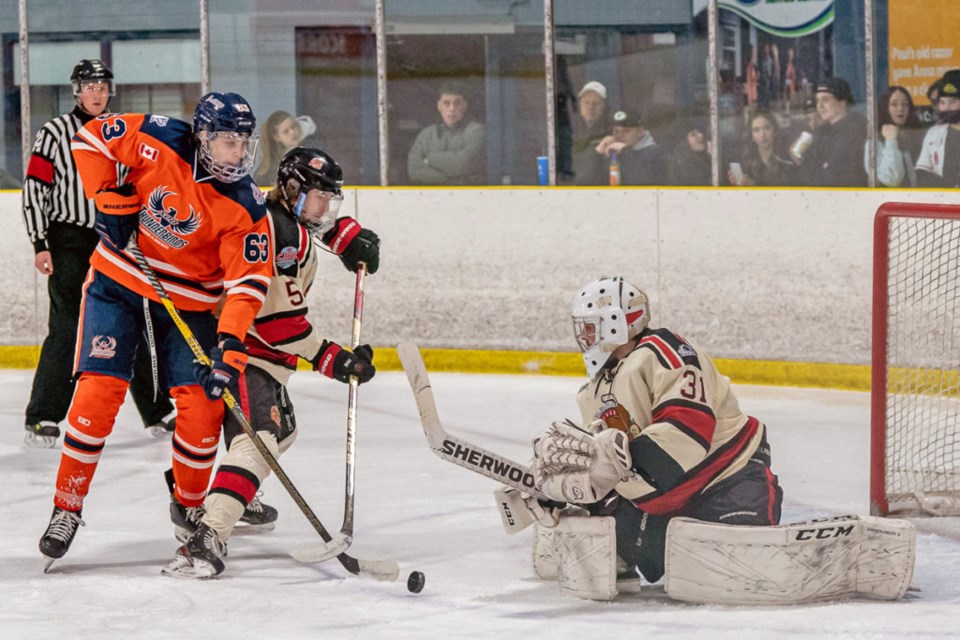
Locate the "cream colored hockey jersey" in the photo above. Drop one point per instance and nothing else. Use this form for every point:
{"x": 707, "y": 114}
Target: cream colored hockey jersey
{"x": 281, "y": 332}
{"x": 686, "y": 426}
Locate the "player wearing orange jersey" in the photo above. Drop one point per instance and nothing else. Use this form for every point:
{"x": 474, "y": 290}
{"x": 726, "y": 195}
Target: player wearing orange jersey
{"x": 201, "y": 223}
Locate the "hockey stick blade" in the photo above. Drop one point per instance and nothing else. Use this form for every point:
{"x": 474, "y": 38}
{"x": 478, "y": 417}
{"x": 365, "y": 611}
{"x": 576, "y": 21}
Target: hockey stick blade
{"x": 453, "y": 449}
{"x": 315, "y": 553}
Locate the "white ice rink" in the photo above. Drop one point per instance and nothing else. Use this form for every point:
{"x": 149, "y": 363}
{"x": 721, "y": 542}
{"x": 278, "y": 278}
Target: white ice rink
{"x": 427, "y": 515}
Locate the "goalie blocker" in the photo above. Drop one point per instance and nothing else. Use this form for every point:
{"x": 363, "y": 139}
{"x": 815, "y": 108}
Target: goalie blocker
{"x": 708, "y": 563}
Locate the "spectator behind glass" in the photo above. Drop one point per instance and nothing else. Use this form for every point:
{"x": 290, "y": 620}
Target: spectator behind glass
{"x": 898, "y": 142}
{"x": 834, "y": 157}
{"x": 690, "y": 159}
{"x": 633, "y": 147}
{"x": 760, "y": 165}
{"x": 938, "y": 164}
{"x": 591, "y": 126}
{"x": 283, "y": 133}
{"x": 451, "y": 151}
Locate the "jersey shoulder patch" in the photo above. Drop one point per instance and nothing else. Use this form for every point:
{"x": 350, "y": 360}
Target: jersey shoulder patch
{"x": 286, "y": 242}
{"x": 171, "y": 133}
{"x": 246, "y": 193}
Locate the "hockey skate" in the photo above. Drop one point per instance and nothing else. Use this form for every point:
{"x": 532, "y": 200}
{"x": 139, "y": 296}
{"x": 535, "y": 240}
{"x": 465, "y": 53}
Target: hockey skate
{"x": 186, "y": 520}
{"x": 41, "y": 434}
{"x": 163, "y": 428}
{"x": 258, "y": 516}
{"x": 59, "y": 534}
{"x": 200, "y": 557}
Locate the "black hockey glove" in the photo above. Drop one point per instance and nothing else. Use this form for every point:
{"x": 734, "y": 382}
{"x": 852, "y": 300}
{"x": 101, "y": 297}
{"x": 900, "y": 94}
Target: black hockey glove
{"x": 117, "y": 214}
{"x": 336, "y": 362}
{"x": 354, "y": 244}
{"x": 228, "y": 361}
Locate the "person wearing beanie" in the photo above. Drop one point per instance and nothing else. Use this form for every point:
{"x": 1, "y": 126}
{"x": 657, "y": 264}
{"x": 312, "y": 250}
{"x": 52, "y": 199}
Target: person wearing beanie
{"x": 834, "y": 158}
{"x": 938, "y": 165}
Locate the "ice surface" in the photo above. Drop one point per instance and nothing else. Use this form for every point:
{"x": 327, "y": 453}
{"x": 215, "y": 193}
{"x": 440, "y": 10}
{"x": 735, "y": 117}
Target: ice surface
{"x": 427, "y": 515}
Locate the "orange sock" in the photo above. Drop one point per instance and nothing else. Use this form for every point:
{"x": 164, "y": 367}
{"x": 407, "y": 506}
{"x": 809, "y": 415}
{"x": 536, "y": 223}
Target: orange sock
{"x": 92, "y": 413}
{"x": 195, "y": 443}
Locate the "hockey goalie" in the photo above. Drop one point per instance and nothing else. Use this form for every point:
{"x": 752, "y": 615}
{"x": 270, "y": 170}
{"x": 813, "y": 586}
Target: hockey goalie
{"x": 670, "y": 479}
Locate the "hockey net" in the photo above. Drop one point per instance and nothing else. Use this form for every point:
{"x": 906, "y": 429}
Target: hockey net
{"x": 915, "y": 413}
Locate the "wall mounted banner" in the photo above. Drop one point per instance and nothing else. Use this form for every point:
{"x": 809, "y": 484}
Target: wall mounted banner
{"x": 923, "y": 43}
{"x": 785, "y": 18}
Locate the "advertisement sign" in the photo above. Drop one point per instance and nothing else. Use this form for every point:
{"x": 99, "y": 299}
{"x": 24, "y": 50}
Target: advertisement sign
{"x": 923, "y": 44}
{"x": 785, "y": 18}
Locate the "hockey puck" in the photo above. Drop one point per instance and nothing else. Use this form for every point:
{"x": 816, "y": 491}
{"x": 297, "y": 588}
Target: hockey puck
{"x": 415, "y": 581}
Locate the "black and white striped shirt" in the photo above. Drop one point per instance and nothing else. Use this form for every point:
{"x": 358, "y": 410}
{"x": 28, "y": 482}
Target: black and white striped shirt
{"x": 52, "y": 190}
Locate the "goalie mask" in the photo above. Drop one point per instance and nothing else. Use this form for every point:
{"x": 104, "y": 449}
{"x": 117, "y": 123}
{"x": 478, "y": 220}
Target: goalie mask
{"x": 224, "y": 126}
{"x": 606, "y": 314}
{"x": 310, "y": 184}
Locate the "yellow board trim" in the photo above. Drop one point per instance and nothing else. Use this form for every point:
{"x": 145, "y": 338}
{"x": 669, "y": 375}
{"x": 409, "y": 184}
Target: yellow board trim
{"x": 764, "y": 372}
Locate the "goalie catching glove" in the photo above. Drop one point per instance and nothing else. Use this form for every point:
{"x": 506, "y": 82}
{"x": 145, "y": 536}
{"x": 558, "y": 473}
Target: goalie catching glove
{"x": 116, "y": 217}
{"x": 571, "y": 465}
{"x": 336, "y": 362}
{"x": 228, "y": 361}
{"x": 354, "y": 244}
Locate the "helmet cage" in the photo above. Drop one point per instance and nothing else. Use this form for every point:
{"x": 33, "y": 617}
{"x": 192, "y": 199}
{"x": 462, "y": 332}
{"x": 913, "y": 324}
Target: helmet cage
{"x": 606, "y": 314}
{"x": 228, "y": 171}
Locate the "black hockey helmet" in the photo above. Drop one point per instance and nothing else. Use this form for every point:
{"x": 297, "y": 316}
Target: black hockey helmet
{"x": 90, "y": 71}
{"x": 304, "y": 168}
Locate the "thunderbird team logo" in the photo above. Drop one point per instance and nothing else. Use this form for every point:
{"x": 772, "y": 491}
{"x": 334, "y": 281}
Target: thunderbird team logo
{"x": 162, "y": 222}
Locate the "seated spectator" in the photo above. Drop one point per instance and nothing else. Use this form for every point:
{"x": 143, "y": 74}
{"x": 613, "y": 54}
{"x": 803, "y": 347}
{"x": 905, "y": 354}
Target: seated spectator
{"x": 282, "y": 132}
{"x": 592, "y": 125}
{"x": 634, "y": 149}
{"x": 898, "y": 140}
{"x": 760, "y": 165}
{"x": 451, "y": 151}
{"x": 938, "y": 164}
{"x": 690, "y": 159}
{"x": 834, "y": 157}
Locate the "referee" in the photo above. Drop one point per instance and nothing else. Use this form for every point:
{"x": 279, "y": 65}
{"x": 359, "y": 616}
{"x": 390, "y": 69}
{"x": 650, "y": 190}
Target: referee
{"x": 59, "y": 221}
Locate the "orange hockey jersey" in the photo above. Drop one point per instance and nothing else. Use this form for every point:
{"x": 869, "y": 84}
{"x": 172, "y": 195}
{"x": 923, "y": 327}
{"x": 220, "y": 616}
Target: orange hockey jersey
{"x": 203, "y": 237}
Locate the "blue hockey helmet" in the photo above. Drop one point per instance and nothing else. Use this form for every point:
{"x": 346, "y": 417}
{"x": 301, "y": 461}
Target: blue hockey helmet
{"x": 224, "y": 125}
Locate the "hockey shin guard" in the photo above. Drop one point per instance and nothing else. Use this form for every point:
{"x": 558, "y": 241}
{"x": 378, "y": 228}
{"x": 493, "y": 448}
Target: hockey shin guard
{"x": 195, "y": 443}
{"x": 92, "y": 414}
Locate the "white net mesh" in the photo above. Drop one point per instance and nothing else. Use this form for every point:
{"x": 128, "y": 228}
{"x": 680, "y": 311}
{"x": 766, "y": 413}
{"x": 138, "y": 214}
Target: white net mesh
{"x": 923, "y": 358}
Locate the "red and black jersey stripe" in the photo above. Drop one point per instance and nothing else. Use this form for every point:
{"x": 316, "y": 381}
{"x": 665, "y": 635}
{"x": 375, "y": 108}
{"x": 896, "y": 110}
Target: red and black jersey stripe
{"x": 284, "y": 327}
{"x": 671, "y": 350}
{"x": 695, "y": 420}
{"x": 674, "y": 489}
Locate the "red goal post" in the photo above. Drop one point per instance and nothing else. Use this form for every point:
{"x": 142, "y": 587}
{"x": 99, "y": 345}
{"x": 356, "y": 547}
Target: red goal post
{"x": 915, "y": 388}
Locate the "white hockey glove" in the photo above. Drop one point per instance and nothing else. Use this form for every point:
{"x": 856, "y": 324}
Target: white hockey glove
{"x": 584, "y": 468}
{"x": 519, "y": 510}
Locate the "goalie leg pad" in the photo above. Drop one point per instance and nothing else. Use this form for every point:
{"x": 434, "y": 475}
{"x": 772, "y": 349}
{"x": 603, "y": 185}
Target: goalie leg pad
{"x": 544, "y": 552}
{"x": 792, "y": 564}
{"x": 587, "y": 557}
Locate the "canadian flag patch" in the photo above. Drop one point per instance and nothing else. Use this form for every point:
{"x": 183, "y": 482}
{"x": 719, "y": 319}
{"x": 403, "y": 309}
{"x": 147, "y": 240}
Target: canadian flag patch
{"x": 148, "y": 152}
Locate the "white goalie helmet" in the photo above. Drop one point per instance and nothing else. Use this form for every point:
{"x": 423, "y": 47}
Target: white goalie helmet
{"x": 607, "y": 313}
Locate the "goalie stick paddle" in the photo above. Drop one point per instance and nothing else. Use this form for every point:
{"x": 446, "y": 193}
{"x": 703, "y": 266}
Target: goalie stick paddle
{"x": 342, "y": 541}
{"x": 454, "y": 449}
{"x": 377, "y": 569}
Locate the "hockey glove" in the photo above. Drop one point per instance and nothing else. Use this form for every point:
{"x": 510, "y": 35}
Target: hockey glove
{"x": 573, "y": 466}
{"x": 354, "y": 245}
{"x": 117, "y": 214}
{"x": 228, "y": 360}
{"x": 336, "y": 362}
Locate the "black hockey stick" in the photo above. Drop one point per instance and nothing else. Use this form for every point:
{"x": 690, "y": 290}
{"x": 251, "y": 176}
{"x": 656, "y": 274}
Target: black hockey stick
{"x": 342, "y": 541}
{"x": 377, "y": 569}
{"x": 453, "y": 449}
